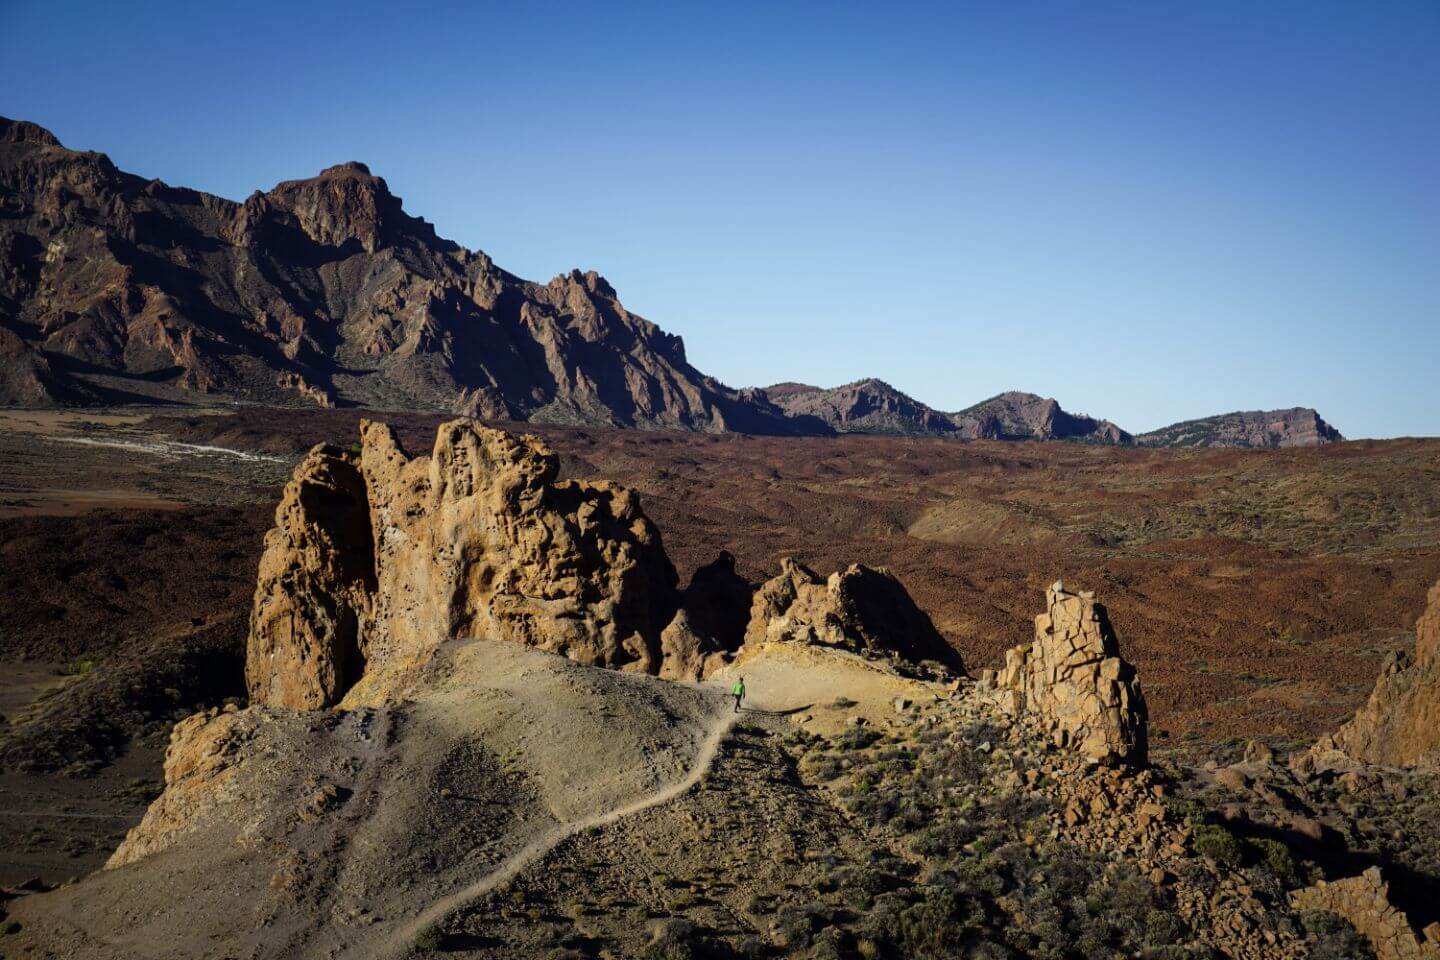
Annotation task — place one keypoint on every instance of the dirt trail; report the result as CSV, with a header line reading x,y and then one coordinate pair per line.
x,y
542,845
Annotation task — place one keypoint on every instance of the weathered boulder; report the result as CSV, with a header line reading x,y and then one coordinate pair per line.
x,y
1073,678
314,590
481,540
201,763
378,558
860,608
1365,902
686,653
1400,724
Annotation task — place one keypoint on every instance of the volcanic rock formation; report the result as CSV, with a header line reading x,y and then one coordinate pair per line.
x,y
1073,678
315,586
1296,427
862,609
1400,724
201,763
378,557
1365,902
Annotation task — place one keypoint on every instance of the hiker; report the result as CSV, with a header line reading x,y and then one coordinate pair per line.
x,y
739,691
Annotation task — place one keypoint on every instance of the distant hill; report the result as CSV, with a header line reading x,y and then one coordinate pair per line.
x,y
1295,427
1027,416
865,406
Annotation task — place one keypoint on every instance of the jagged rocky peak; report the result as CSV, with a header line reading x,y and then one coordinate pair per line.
x,y
1400,724
378,557
1015,415
865,406
343,203
1074,680
319,291
23,131
1293,427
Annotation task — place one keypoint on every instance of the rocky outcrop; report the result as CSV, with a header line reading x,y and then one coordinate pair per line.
x,y
1400,724
315,587
1295,427
1025,416
710,624
1073,678
201,763
1365,902
866,406
378,557
860,608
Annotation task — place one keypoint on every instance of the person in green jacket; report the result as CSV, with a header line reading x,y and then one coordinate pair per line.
x,y
739,691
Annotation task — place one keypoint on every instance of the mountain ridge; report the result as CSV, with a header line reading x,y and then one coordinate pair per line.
x,y
324,291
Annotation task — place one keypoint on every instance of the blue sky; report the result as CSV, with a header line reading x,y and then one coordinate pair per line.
x,y
1151,211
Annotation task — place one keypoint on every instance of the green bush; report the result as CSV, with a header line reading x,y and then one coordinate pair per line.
x,y
856,738
1214,841
1277,857
81,667
429,938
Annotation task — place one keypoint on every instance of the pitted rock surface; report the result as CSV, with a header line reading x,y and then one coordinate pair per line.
x,y
1073,678
479,539
201,763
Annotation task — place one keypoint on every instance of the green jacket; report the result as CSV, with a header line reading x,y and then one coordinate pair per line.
x,y
739,690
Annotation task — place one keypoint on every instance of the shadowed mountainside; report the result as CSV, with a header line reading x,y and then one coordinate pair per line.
x,y
321,291
324,292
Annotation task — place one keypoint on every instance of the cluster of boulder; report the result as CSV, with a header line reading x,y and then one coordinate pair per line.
x,y
377,558
1073,678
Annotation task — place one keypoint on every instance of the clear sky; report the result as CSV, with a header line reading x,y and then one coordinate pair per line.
x,y
1151,211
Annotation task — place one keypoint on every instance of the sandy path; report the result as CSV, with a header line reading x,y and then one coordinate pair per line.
x,y
542,845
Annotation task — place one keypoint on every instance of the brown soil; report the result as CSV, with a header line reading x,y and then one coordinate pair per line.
x,y
1257,591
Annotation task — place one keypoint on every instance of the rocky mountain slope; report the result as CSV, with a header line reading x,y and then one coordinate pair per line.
x,y
1025,416
865,406
323,291
1295,427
